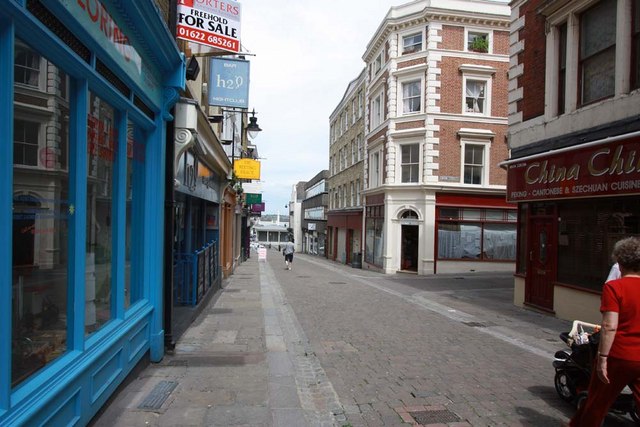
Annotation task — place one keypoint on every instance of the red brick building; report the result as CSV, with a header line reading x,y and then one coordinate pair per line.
x,y
436,123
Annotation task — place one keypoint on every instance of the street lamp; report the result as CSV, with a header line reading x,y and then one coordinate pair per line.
x,y
252,129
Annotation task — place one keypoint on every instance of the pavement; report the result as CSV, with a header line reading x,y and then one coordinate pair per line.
x,y
325,344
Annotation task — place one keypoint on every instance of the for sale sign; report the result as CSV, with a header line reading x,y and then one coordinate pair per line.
x,y
212,23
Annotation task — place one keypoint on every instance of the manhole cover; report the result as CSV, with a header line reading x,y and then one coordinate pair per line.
x,y
158,395
337,283
304,277
434,417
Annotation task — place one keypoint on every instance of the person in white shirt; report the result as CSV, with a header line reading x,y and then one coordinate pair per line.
x,y
288,251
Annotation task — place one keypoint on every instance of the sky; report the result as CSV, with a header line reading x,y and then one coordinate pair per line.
x,y
306,53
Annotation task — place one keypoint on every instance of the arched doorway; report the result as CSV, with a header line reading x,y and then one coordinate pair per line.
x,y
409,241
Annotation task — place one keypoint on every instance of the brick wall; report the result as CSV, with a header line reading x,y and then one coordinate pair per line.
x,y
451,93
452,38
501,42
450,155
533,57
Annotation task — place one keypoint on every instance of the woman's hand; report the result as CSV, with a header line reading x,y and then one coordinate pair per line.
x,y
601,369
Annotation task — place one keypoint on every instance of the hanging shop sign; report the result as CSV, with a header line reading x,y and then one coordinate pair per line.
x,y
598,169
247,169
229,82
210,22
252,199
257,208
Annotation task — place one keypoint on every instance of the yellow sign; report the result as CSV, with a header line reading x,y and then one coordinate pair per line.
x,y
247,169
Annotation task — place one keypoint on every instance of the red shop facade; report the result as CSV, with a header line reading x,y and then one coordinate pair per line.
x,y
574,203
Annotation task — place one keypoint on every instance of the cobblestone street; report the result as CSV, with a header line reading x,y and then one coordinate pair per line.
x,y
324,344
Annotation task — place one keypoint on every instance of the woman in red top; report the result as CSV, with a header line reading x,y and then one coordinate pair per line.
x,y
618,358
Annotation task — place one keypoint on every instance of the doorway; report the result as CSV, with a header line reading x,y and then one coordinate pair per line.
x,y
542,264
409,248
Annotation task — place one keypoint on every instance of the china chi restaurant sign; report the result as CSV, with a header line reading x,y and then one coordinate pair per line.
x,y
606,168
212,23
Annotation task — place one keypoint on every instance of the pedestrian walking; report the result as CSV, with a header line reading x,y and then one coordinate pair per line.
x,y
618,360
288,251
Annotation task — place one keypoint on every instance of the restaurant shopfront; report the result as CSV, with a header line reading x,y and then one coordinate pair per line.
x,y
84,100
574,203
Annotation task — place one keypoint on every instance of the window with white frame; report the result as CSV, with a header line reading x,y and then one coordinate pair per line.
x,y
354,159
360,105
598,52
477,41
357,192
359,141
345,153
412,43
475,96
562,66
374,169
353,111
26,66
377,110
377,63
341,158
352,198
412,97
410,162
474,163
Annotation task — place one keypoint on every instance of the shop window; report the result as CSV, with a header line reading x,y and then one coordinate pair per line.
x,y
134,212
587,232
26,137
374,238
40,233
476,234
410,158
101,143
598,52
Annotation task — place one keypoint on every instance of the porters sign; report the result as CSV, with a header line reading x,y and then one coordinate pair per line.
x,y
597,169
213,23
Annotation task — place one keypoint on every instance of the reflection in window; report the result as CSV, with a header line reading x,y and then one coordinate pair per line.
x,y
26,66
135,165
40,235
101,143
25,142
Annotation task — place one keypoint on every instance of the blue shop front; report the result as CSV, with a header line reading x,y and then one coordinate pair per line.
x,y
86,87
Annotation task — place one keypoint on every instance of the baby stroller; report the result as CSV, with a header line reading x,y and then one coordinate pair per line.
x,y
573,369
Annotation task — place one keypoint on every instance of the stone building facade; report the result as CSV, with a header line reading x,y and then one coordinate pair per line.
x,y
346,173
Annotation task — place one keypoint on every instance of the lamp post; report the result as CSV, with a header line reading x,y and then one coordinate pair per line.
x,y
252,130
